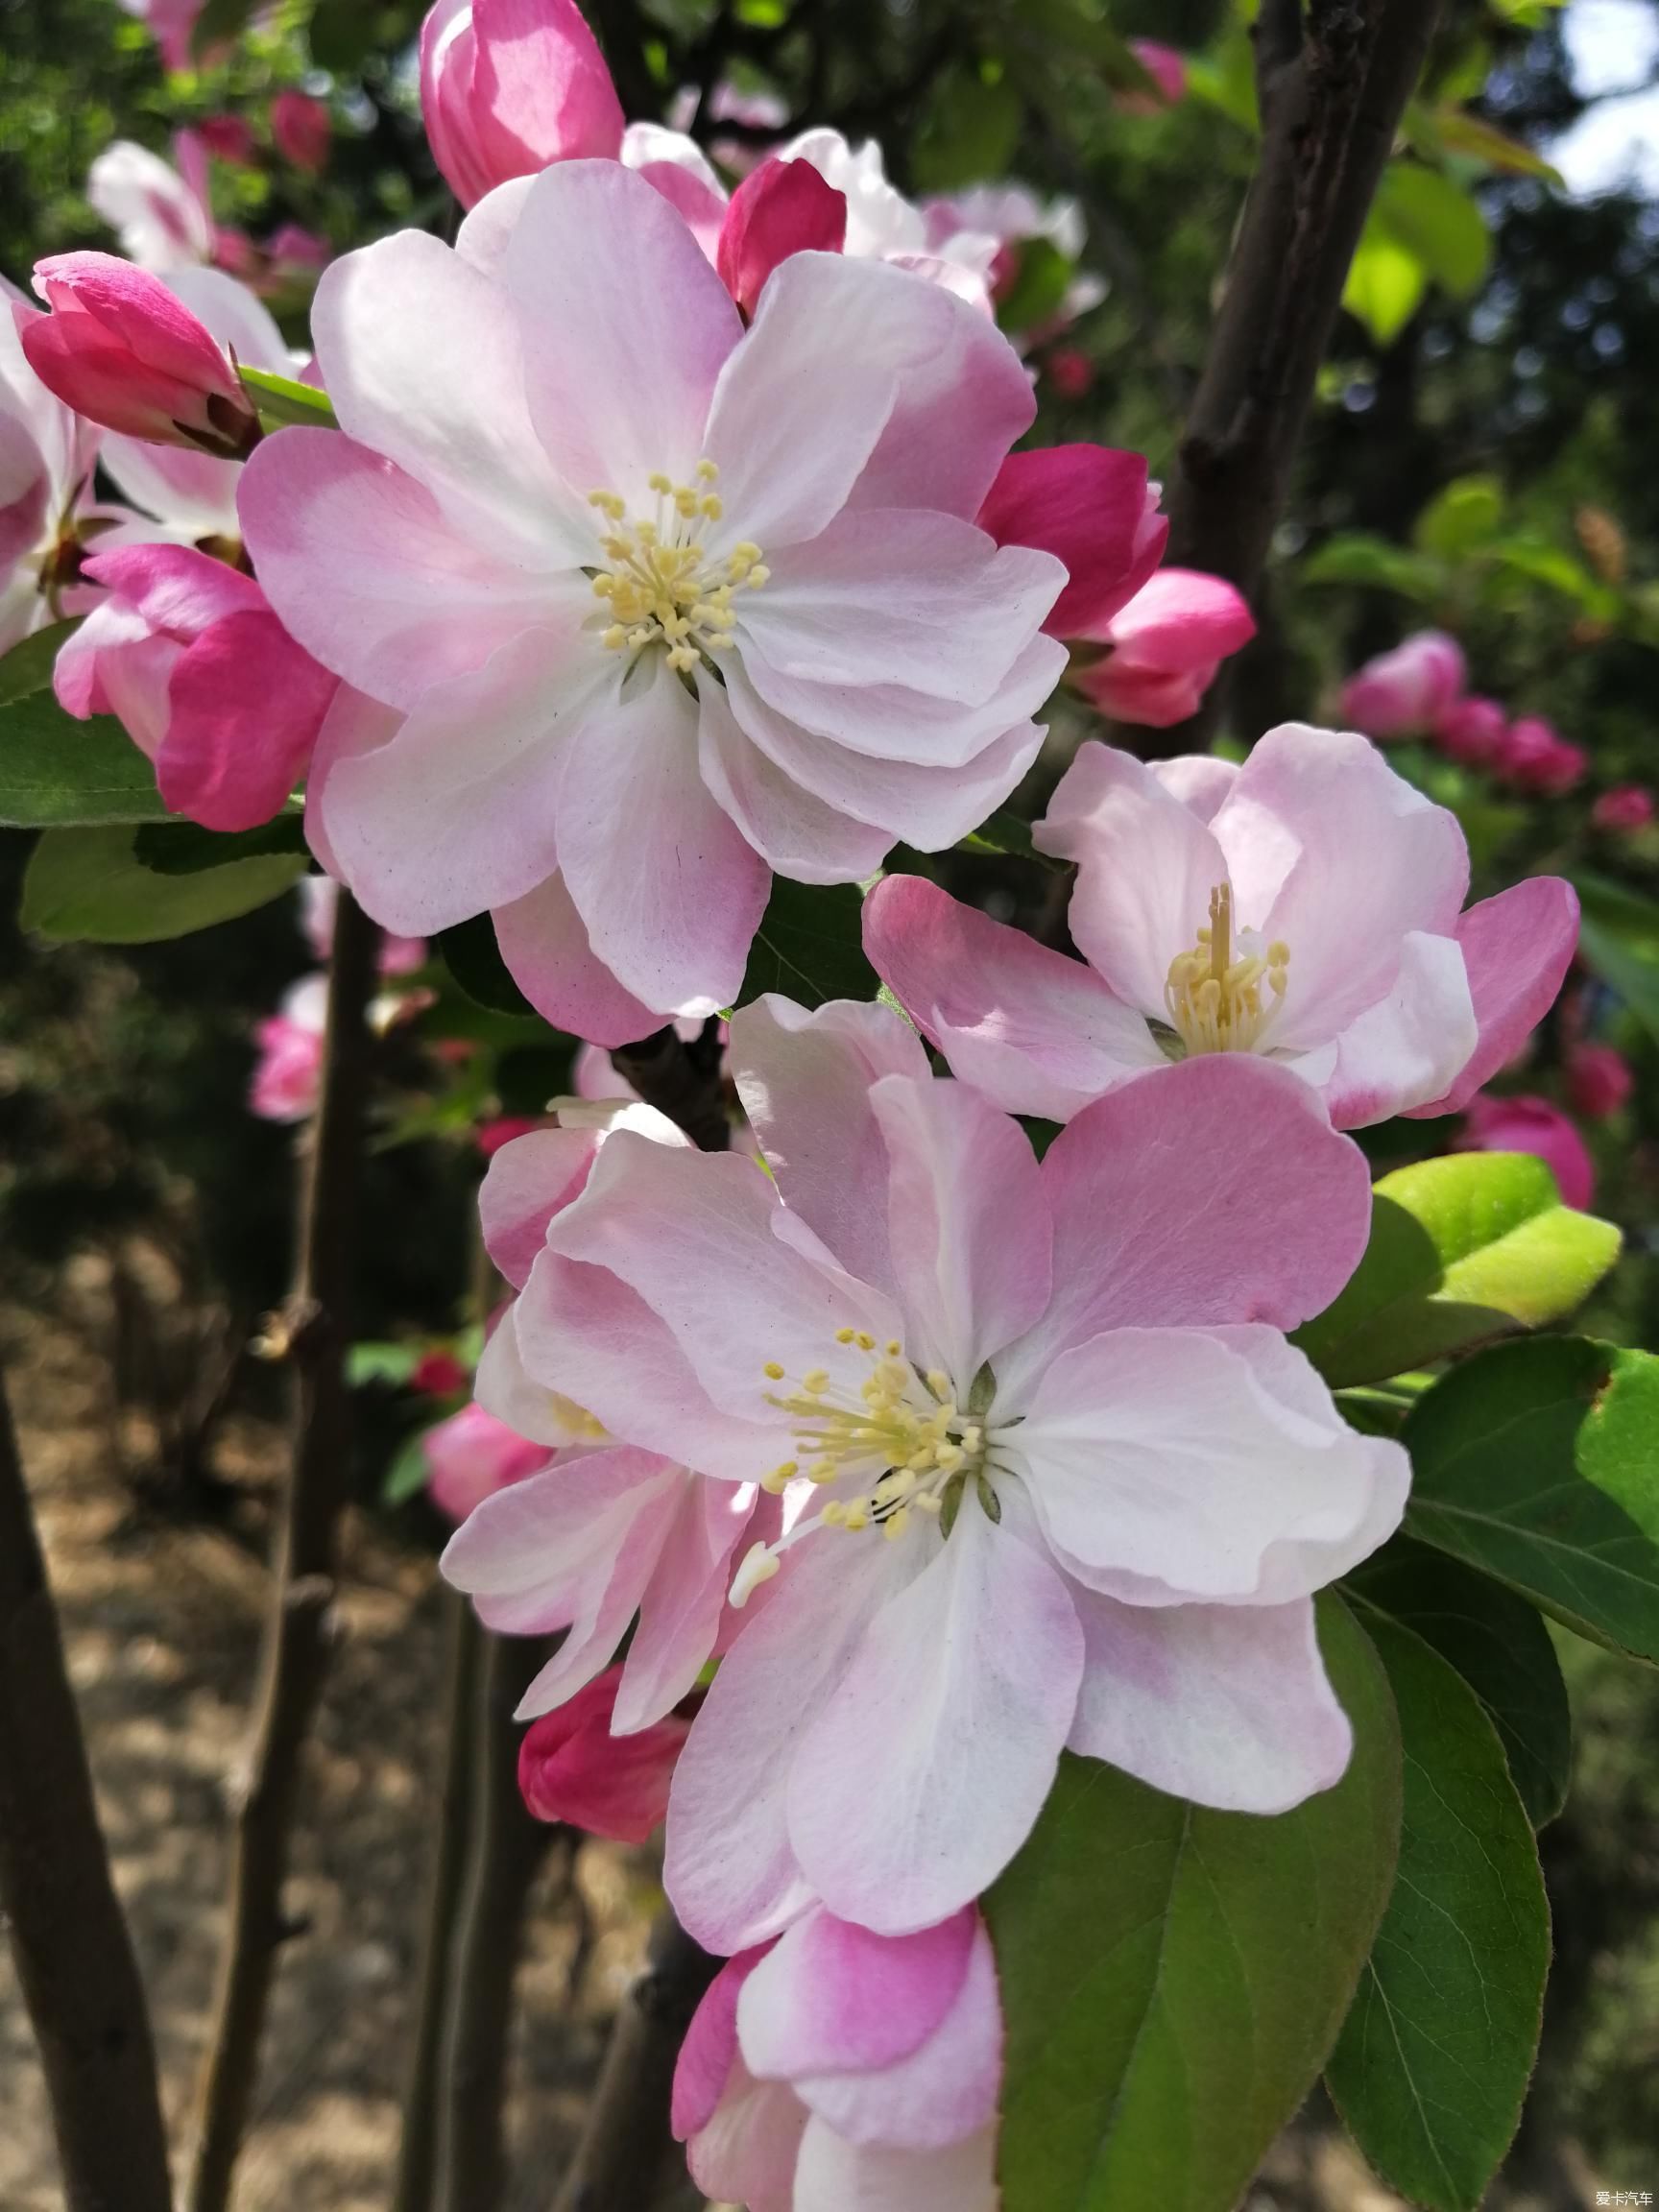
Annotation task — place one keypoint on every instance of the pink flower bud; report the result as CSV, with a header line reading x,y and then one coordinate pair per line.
x,y
1093,508
227,138
1529,1124
572,1768
1536,758
119,348
783,208
289,1070
1627,806
1404,693
1168,70
1472,731
1600,1080
295,250
1166,646
471,1455
1070,371
439,1375
492,1135
302,129
508,86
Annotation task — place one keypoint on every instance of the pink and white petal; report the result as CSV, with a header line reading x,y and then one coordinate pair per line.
x,y
596,232
487,227
526,1182
544,943
970,1236
888,597
1517,949
236,317
796,411
422,355
831,1997
748,2152
1210,1191
1224,1705
1200,780
1145,868
710,2049
1183,620
374,577
669,891
920,1775
1165,1453
353,724
805,1080
833,2174
581,1329
1031,1030
730,1870
1410,1045
457,812
192,491
1328,848
505,1387
795,834
943,2092
683,1605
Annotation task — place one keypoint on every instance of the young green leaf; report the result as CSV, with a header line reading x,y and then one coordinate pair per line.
x,y
1462,1248
1173,1978
410,1471
1436,2054
1500,1645
186,849
281,401
810,944
55,770
1539,1463
1619,938
88,885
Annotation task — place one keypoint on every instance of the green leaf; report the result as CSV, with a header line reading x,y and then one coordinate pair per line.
x,y
410,1470
1008,835
1500,1645
1386,283
56,770
969,130
1462,1248
1355,557
1043,276
381,1362
1437,223
282,401
810,944
474,961
1458,133
1173,1978
1434,2058
1225,79
28,667
1619,938
186,849
1539,1464
88,885
1460,519
219,21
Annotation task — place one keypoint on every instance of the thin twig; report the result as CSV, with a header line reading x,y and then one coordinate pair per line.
x,y
69,1937
314,1331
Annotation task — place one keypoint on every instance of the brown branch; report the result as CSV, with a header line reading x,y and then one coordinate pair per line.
x,y
682,1081
75,1961
626,2148
417,2163
314,1331
504,1849
1332,96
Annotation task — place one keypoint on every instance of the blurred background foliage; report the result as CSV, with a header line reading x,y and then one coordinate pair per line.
x,y
1484,457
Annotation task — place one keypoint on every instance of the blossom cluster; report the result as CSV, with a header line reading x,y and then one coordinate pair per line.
x,y
662,535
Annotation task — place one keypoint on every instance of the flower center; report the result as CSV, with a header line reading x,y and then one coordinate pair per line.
x,y
1214,993
661,581
902,1444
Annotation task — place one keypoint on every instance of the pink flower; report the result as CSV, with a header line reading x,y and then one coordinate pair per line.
x,y
1404,693
780,209
162,217
471,1455
293,251
1471,731
318,899
1625,807
172,24
1536,758
290,1065
204,677
301,128
847,660
1166,67
508,86
1093,508
612,1530
1107,1485
1522,1124
122,349
1304,908
227,137
1165,648
46,460
840,2071
572,1768
1600,1080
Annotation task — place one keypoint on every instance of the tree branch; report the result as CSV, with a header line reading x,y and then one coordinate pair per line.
x,y
314,1331
1332,97
69,1937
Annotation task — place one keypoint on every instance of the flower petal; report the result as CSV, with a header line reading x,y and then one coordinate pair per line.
x,y
1517,949
833,2174
544,943
797,834
247,706
1410,1044
683,1604
832,1998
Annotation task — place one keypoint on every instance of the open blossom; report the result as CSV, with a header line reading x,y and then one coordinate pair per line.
x,y
611,1530
840,2071
471,1455
47,454
1305,907
1521,1123
205,680
573,1767
623,643
1404,693
1049,1473
1164,649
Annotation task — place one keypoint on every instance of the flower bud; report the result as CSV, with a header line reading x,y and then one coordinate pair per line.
x,y
508,86
1093,508
783,208
1404,693
1523,1123
1168,70
288,1074
227,138
302,130
1600,1080
1472,731
1536,758
471,1455
572,1768
1625,807
121,350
